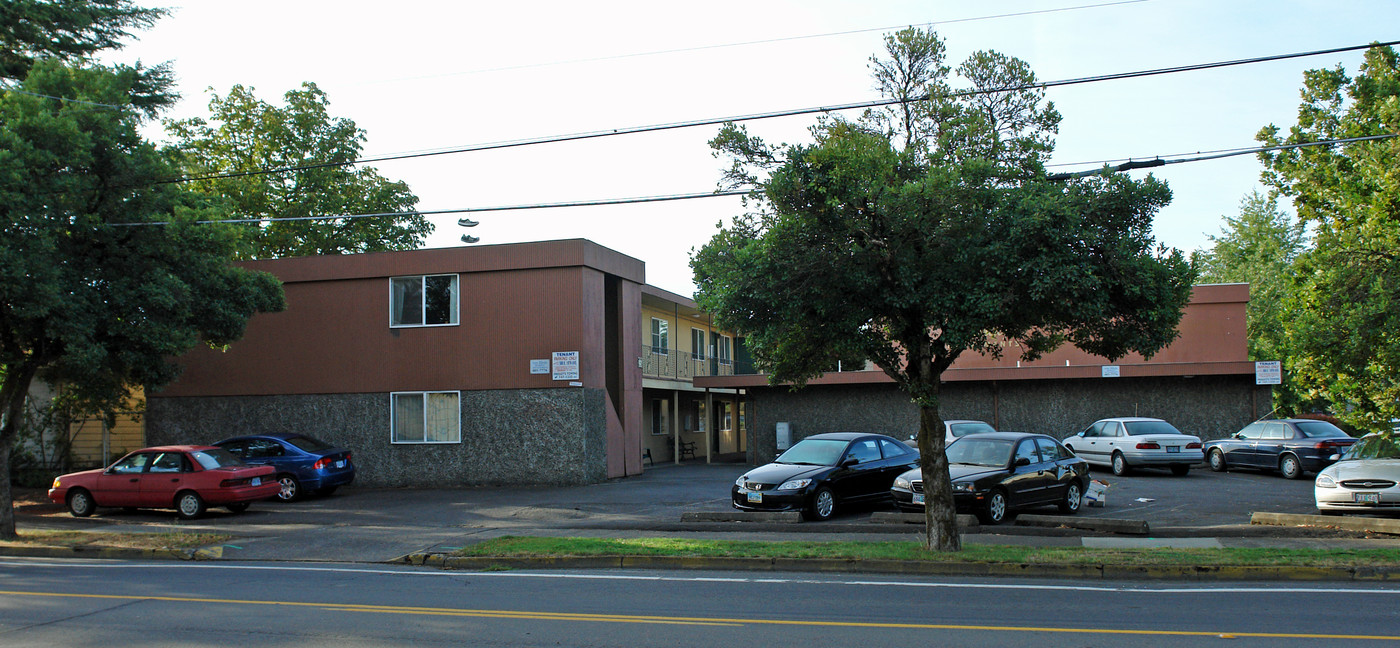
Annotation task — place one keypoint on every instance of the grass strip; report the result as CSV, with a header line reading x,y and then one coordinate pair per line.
x,y
538,547
176,540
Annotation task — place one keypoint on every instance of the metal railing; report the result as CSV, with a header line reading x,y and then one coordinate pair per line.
x,y
675,364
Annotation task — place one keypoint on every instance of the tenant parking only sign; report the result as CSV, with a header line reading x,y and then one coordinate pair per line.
x,y
1268,372
565,365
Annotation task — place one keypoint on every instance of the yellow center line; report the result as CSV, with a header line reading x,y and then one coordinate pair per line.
x,y
710,621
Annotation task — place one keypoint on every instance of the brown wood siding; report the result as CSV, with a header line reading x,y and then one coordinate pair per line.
x,y
335,337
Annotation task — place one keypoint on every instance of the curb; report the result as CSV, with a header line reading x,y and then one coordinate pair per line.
x,y
1363,524
907,567
113,553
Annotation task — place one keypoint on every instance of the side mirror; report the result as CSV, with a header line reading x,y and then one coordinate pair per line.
x,y
1081,433
849,461
1334,457
1021,461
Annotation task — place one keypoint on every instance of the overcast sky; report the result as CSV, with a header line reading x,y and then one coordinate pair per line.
x,y
421,75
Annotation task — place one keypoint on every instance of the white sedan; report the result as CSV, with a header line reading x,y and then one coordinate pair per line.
x,y
1363,480
1134,442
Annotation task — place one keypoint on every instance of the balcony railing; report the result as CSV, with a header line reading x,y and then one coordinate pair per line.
x,y
674,364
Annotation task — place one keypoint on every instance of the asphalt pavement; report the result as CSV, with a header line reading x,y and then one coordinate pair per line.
x,y
1202,509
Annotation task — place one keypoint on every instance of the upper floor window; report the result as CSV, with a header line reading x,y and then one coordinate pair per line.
x,y
724,351
697,344
660,335
424,300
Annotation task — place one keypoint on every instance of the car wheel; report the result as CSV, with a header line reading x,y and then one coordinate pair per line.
x,y
291,488
326,492
1120,465
80,503
1074,497
1290,467
189,505
238,508
1217,460
1180,470
994,509
823,505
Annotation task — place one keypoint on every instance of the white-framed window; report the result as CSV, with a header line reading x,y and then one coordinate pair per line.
x,y
423,300
660,416
660,335
726,416
697,344
425,417
723,350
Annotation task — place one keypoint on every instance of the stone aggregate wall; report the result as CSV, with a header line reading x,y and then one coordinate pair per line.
x,y
509,437
1210,407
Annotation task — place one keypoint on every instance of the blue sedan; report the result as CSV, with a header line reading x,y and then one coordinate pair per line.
x,y
303,463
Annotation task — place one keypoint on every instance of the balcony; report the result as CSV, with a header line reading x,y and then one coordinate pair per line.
x,y
674,364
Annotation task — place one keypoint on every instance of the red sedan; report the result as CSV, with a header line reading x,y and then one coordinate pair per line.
x,y
185,478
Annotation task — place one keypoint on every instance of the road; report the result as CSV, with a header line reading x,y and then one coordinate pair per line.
x,y
77,603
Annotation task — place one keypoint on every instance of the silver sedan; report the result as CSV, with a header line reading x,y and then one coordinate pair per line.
x,y
1136,442
1364,479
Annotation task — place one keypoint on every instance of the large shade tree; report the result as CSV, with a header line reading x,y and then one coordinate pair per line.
x,y
916,234
94,295
66,30
1260,247
1342,316
295,163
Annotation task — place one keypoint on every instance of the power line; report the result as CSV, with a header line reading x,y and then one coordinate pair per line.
x,y
772,115
1131,165
783,39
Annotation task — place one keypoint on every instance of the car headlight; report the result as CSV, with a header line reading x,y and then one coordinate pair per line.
x,y
902,483
1323,481
795,484
962,487
55,483
740,481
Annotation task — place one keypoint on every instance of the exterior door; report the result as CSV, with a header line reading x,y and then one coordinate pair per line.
x,y
165,476
1027,483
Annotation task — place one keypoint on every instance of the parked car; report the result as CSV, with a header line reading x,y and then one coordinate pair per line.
x,y
1293,447
954,429
303,463
825,471
1123,444
995,472
186,478
1364,479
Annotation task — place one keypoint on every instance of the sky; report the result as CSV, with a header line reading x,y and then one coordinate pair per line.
x,y
419,75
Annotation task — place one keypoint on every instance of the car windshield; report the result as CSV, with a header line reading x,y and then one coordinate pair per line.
x,y
814,452
964,429
1321,430
309,444
1373,447
216,458
1139,428
973,451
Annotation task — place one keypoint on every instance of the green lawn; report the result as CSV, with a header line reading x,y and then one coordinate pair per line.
x,y
525,547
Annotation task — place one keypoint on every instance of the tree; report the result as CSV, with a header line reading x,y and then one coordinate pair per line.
x,y
1259,247
913,236
1342,318
252,137
93,295
67,30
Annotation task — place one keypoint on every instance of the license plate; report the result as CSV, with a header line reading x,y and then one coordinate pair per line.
x,y
340,464
257,481
1366,498
755,498
918,498
1173,449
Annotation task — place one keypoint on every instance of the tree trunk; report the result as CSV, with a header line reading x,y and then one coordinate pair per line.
x,y
7,496
13,393
940,514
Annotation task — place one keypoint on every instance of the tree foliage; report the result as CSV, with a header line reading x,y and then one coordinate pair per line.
x,y
1260,247
249,136
90,298
66,30
915,234
1342,318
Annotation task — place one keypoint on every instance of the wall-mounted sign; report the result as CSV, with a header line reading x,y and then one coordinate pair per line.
x,y
539,366
1110,371
566,365
1268,372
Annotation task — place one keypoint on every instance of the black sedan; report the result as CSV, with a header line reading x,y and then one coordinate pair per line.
x,y
1293,447
995,472
824,471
